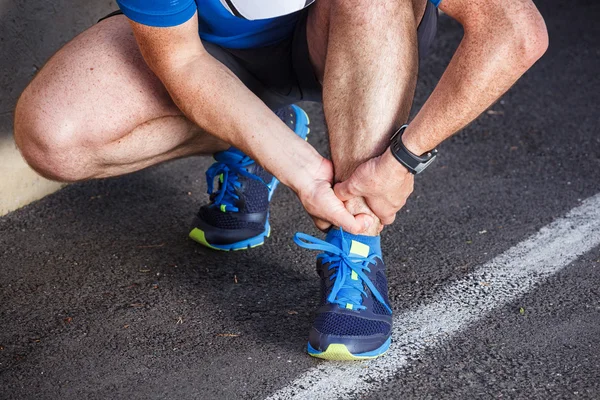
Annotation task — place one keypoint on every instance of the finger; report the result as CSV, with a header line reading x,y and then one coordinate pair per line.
x,y
338,215
346,221
381,211
344,190
321,224
365,220
388,219
350,223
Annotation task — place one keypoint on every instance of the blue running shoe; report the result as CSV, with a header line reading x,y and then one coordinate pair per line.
x,y
237,216
354,320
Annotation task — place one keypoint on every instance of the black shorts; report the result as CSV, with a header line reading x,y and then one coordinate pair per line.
x,y
282,74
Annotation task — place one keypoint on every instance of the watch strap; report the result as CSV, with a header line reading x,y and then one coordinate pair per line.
x,y
414,163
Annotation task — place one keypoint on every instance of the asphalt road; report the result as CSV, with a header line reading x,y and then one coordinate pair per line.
x,y
103,296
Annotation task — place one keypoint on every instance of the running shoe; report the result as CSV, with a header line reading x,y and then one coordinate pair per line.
x,y
354,320
237,216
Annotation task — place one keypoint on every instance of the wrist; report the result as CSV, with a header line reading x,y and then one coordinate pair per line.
x,y
391,165
414,142
303,168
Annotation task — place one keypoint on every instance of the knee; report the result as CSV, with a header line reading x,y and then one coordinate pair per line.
x,y
47,141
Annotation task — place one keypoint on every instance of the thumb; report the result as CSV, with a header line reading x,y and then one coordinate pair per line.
x,y
344,190
338,215
365,221
347,221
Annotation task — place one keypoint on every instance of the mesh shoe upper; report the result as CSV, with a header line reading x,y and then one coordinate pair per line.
x,y
331,323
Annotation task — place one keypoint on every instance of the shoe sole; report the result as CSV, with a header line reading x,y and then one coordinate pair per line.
x,y
198,235
339,352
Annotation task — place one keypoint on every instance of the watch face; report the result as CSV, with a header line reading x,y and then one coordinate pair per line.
x,y
263,9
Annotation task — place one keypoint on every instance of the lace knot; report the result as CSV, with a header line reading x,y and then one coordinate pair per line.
x,y
229,166
350,271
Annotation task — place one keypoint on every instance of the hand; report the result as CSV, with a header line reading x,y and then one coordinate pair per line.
x,y
384,184
319,200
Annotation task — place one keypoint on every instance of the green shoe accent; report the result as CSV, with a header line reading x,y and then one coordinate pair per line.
x,y
339,352
198,236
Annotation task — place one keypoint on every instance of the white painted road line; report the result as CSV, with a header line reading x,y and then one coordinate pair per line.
x,y
502,280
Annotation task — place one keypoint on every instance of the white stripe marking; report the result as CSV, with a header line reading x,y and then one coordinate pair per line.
x,y
503,279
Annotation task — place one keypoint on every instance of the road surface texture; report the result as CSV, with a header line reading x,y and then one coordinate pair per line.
x,y
102,296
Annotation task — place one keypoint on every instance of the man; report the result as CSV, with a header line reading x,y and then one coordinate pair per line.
x,y
176,78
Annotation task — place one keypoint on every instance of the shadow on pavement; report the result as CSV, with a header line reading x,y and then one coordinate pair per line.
x,y
117,250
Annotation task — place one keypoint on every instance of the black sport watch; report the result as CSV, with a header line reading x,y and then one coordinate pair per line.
x,y
413,163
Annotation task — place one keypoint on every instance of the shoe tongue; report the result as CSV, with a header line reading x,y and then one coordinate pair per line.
x,y
229,151
359,245
236,151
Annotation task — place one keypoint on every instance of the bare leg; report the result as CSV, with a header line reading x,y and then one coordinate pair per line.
x,y
96,110
366,53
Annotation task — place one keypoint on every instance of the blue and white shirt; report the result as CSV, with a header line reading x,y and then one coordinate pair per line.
x,y
237,24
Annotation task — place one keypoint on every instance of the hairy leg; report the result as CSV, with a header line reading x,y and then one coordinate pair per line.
x,y
96,110
366,54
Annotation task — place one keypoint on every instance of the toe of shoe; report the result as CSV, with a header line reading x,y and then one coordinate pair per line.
x,y
213,235
344,332
338,347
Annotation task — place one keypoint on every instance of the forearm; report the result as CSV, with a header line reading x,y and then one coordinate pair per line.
x,y
491,57
204,90
212,97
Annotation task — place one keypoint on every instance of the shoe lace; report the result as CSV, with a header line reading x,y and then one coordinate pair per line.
x,y
350,272
229,166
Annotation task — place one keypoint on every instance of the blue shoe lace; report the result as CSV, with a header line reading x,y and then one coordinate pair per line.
x,y
229,166
346,292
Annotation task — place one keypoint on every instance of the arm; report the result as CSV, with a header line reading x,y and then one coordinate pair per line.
x,y
211,96
502,40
